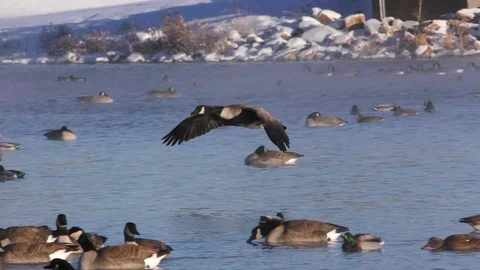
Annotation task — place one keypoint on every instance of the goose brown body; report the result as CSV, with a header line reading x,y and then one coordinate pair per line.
x,y
456,242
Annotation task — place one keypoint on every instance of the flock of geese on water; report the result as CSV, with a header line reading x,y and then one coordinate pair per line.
x,y
41,245
31,245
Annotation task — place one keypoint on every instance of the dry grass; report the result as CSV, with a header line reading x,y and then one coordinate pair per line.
x,y
421,39
448,41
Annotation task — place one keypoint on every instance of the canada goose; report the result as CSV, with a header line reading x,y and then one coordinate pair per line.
x,y
28,253
383,107
10,174
443,70
474,66
355,110
316,119
165,78
71,78
205,118
75,233
330,71
300,231
361,242
428,107
62,231
118,257
397,111
27,234
170,93
9,146
435,69
391,71
63,134
59,264
262,157
101,98
32,253
129,235
476,94
456,242
307,68
473,221
369,119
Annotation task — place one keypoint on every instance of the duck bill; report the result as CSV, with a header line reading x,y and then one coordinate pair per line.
x,y
427,247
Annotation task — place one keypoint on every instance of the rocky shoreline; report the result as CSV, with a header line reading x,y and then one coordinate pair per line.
x,y
324,35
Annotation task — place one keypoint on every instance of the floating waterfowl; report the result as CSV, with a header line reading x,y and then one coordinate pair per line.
x,y
383,107
6,175
456,242
101,98
129,235
278,231
398,111
9,146
262,157
170,93
369,119
361,242
428,107
355,110
63,134
316,119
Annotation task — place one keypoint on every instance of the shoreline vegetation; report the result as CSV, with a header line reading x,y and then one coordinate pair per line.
x,y
321,35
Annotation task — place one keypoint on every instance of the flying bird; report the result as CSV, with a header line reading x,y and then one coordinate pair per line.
x,y
205,118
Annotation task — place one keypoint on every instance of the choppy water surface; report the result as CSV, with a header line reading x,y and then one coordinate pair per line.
x,y
405,180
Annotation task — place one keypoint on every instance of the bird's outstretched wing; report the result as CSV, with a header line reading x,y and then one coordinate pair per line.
x,y
192,127
274,129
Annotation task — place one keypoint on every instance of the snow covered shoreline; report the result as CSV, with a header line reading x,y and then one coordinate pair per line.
x,y
323,36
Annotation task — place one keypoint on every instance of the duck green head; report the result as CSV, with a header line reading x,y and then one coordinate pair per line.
x,y
349,239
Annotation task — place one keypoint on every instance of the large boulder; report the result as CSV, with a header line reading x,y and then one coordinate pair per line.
x,y
275,43
318,34
233,35
372,26
296,42
307,23
467,14
252,38
328,16
437,27
355,21
135,58
316,12
423,51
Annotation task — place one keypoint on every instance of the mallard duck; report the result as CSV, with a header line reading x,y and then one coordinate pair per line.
x,y
398,111
361,242
10,174
101,98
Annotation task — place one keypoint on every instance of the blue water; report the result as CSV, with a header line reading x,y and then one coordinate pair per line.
x,y
405,180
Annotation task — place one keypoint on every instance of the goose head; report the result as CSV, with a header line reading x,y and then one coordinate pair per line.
x,y
396,109
59,264
2,168
171,89
355,110
433,243
86,243
314,115
103,94
61,221
75,233
256,235
131,229
261,149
